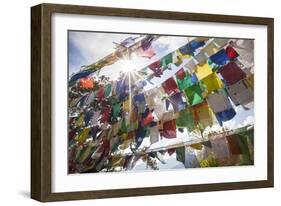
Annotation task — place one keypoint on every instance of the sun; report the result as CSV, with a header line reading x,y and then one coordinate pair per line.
x,y
127,66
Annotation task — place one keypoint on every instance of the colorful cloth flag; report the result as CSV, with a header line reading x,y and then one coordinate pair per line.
x,y
191,160
122,89
169,129
203,71
180,74
156,68
167,60
233,145
240,94
140,135
100,93
185,82
191,47
220,150
201,58
220,58
213,65
197,146
170,86
185,50
190,66
219,101
244,147
80,120
177,102
86,83
210,49
232,73
147,119
108,89
185,120
194,94
225,115
105,114
180,154
83,135
212,82
203,115
116,108
231,52
245,49
181,56
79,75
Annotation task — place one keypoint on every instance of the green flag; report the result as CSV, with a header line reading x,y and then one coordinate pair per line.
x,y
180,153
166,60
194,94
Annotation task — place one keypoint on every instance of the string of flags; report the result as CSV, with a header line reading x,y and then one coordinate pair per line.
x,y
110,120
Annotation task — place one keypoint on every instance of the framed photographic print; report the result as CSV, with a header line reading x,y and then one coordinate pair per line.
x,y
132,102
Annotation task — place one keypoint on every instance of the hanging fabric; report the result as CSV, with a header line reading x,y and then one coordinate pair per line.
x,y
185,120
212,82
231,53
220,150
203,71
232,73
201,58
86,83
240,94
177,102
220,58
194,94
233,145
203,115
210,49
79,75
219,101
169,129
190,66
225,115
170,86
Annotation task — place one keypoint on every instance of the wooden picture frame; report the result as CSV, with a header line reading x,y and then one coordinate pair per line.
x,y
41,96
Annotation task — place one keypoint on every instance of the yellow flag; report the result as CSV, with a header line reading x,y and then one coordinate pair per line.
x,y
83,135
212,82
197,146
203,71
117,161
182,56
127,105
80,120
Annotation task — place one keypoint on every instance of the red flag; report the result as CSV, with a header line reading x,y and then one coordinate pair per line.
x,y
181,74
100,93
231,53
170,86
169,129
148,119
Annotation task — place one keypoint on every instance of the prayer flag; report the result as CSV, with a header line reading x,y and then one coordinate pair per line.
x,y
220,58
232,73
194,94
170,86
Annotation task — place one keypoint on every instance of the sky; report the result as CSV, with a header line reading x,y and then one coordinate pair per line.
x,y
85,48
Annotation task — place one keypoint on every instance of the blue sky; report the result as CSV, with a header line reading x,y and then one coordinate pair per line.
x,y
88,47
